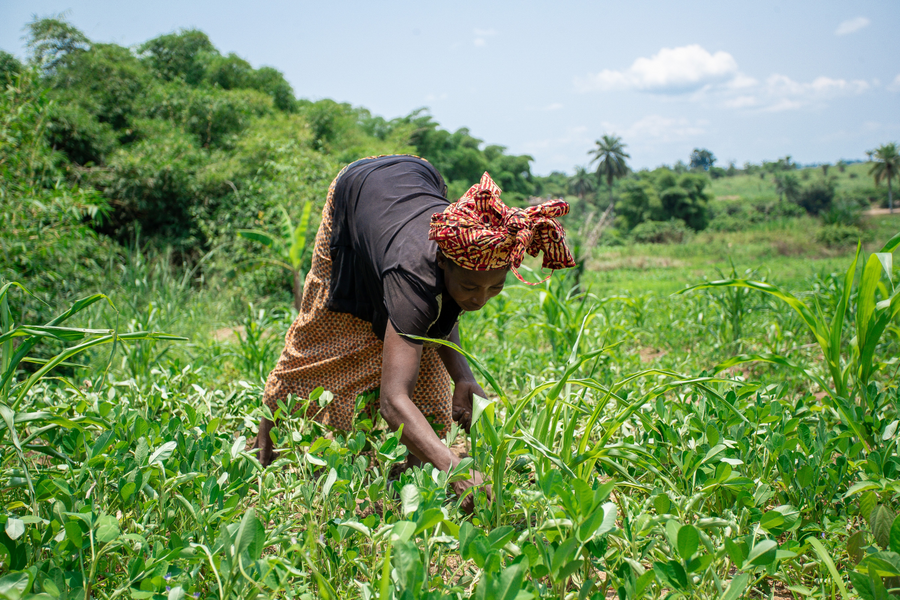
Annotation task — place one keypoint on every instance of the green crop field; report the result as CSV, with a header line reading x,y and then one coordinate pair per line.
x,y
735,437
706,407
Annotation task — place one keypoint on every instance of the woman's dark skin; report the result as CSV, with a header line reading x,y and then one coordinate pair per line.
x,y
400,369
471,290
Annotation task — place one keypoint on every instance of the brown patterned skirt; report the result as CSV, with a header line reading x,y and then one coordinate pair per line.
x,y
341,353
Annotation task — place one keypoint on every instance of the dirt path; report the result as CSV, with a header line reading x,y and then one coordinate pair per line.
x,y
874,212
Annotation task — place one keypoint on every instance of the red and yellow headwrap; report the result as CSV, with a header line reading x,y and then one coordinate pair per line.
x,y
479,232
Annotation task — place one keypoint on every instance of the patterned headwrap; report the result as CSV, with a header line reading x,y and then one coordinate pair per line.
x,y
479,232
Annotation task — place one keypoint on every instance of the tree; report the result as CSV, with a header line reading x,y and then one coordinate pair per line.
x,y
51,41
582,182
610,152
701,158
786,184
887,164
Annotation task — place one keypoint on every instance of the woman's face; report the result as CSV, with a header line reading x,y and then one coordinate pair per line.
x,y
471,289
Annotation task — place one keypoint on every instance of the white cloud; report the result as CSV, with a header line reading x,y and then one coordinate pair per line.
x,y
481,34
895,84
554,106
851,26
663,129
741,102
669,71
787,93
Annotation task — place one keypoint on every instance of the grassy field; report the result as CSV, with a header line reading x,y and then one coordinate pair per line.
x,y
854,179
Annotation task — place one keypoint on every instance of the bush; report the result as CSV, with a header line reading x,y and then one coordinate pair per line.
x,y
845,211
839,236
661,232
81,137
817,197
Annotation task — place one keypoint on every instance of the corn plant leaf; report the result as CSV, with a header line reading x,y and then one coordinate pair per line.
x,y
825,557
892,244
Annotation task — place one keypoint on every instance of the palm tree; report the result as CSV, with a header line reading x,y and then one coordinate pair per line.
x,y
610,151
582,183
887,165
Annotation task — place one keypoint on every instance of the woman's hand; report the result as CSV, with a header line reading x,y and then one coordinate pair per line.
x,y
462,402
461,487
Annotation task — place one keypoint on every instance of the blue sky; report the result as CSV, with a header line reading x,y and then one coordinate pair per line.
x,y
819,81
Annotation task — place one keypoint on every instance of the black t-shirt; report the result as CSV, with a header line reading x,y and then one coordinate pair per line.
x,y
383,264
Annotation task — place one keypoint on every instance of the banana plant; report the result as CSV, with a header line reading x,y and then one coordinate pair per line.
x,y
288,249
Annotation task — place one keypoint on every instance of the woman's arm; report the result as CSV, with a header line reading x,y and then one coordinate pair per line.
x,y
465,384
400,370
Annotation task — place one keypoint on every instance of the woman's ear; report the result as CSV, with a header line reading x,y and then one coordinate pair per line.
x,y
442,261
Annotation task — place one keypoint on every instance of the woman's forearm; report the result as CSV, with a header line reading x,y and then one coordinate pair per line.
x,y
417,436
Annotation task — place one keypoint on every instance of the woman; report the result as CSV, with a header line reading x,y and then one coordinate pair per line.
x,y
393,258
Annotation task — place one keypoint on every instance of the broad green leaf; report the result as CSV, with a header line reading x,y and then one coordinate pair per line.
x,y
14,585
409,498
736,588
250,536
176,593
107,529
163,453
672,573
237,447
102,443
329,482
74,534
771,520
429,519
895,535
510,580
856,546
880,521
403,530
688,541
498,538
15,528
762,553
